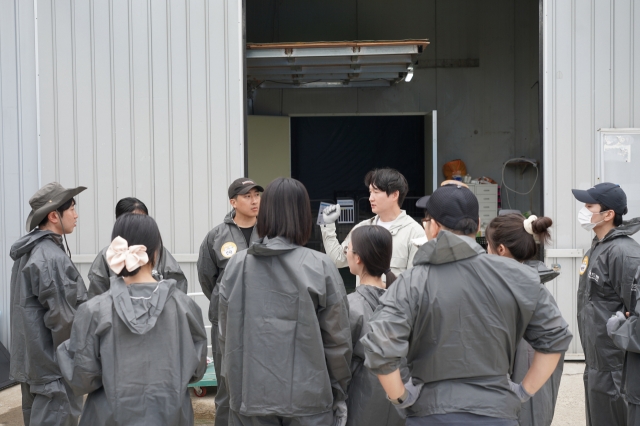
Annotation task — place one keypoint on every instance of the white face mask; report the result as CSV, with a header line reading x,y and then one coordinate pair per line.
x,y
584,217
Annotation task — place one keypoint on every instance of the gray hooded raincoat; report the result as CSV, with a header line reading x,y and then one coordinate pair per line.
x,y
100,273
220,244
538,411
367,404
606,276
134,350
284,331
458,316
46,289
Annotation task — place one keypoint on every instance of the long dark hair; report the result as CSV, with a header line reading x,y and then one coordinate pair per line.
x,y
509,231
285,211
374,245
138,229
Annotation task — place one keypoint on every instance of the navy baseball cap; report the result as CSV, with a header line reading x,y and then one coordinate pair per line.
x,y
450,204
606,193
422,201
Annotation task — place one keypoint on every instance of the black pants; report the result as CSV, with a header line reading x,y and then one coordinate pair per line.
x,y
323,419
52,404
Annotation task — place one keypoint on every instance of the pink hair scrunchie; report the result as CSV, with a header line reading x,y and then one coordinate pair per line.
x,y
120,255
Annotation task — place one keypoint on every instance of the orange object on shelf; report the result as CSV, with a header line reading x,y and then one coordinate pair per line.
x,y
454,167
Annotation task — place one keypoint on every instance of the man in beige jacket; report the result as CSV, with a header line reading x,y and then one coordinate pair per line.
x,y
387,190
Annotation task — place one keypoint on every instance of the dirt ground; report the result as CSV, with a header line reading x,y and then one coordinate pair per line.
x,y
569,409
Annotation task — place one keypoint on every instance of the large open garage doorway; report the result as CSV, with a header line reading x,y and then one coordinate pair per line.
x,y
475,62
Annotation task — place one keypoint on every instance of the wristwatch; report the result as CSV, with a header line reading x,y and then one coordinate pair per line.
x,y
400,399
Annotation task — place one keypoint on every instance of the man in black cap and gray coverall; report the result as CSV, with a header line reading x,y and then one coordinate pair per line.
x,y
46,288
457,316
606,278
236,233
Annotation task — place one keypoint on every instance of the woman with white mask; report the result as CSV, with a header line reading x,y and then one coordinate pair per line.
x,y
606,277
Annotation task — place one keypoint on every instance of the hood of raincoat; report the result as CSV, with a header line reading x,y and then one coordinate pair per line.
x,y
627,228
140,305
271,247
446,248
371,294
26,243
546,274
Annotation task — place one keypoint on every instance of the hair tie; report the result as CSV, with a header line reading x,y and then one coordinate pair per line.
x,y
121,255
387,271
528,226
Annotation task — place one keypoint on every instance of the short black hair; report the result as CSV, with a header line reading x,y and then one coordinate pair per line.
x,y
285,211
130,205
617,220
138,229
66,206
465,226
389,181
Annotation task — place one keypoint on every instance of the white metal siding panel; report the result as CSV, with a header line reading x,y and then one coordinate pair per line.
x,y
143,99
18,136
589,57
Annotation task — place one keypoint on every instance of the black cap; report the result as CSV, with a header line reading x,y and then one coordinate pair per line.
x,y
450,204
422,202
242,186
606,193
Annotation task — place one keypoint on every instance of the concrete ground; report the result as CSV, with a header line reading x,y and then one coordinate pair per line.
x,y
569,409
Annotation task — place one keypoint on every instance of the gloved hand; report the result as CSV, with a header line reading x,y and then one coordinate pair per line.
x,y
520,392
614,323
331,213
413,394
339,413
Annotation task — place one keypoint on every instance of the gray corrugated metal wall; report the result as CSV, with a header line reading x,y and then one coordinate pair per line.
x,y
18,135
591,64
137,98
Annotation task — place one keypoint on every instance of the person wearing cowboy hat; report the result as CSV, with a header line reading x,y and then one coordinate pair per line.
x,y
46,289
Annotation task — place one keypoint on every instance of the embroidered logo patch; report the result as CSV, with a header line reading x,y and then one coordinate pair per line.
x,y
585,264
229,249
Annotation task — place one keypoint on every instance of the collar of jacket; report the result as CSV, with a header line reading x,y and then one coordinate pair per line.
x,y
447,248
400,222
26,243
546,274
627,229
229,217
271,246
371,294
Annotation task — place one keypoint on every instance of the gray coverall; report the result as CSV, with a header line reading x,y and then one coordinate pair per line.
x,y
134,350
284,335
367,403
167,268
457,316
538,411
219,245
46,289
606,276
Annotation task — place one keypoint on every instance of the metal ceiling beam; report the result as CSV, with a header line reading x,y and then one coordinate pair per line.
x,y
333,51
321,60
328,69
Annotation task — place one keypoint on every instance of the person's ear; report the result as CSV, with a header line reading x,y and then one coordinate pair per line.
x,y
609,215
434,229
356,257
501,250
53,217
479,223
232,201
395,195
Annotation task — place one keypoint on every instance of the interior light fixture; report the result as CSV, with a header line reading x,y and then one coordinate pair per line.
x,y
409,75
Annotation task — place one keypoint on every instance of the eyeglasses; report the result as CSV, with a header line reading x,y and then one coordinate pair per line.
x,y
346,250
